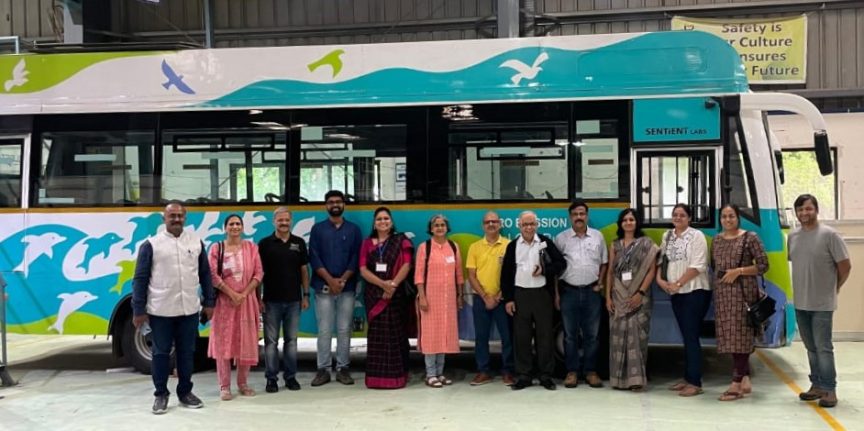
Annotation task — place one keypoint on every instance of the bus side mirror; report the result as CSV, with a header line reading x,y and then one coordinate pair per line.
x,y
823,153
778,159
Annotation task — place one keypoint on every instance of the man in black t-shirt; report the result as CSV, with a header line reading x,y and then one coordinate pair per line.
x,y
286,291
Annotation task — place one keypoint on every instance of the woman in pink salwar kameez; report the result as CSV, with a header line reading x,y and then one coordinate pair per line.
x,y
234,329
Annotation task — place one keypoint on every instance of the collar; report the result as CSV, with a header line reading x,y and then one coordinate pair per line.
x,y
500,240
588,233
522,240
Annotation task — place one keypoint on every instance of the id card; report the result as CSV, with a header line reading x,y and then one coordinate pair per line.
x,y
380,267
450,259
626,276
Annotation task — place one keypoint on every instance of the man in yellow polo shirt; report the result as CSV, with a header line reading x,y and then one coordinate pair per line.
x,y
484,274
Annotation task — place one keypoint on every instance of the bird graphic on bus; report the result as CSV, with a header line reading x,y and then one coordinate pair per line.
x,y
524,71
70,303
330,59
37,246
19,76
174,79
97,246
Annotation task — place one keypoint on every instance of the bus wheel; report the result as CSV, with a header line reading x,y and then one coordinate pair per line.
x,y
136,347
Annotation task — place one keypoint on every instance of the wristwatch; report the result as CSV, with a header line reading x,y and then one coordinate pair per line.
x,y
306,294
641,292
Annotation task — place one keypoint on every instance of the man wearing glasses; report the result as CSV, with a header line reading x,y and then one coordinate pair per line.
x,y
484,274
531,265
334,245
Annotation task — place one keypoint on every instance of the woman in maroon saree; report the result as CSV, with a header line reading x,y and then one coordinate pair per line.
x,y
385,261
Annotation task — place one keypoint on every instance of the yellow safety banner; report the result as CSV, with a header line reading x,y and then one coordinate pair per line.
x,y
773,50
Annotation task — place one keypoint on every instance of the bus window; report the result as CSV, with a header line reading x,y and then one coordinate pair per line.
x,y
739,175
367,162
508,162
10,172
668,178
224,165
96,168
597,164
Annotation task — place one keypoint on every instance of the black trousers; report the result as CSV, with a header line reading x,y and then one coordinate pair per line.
x,y
534,321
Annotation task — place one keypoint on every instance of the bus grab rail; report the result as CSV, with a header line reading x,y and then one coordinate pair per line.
x,y
796,104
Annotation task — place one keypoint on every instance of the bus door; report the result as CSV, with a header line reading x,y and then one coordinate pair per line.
x,y
663,178
13,192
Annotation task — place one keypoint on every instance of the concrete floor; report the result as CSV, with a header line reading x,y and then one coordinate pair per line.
x,y
73,383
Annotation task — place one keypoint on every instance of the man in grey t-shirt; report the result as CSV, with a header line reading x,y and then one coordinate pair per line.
x,y
820,266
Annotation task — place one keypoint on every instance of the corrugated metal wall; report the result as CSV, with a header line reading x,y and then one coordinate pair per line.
x,y
835,59
28,19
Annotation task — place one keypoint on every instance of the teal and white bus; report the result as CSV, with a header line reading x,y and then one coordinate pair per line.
x,y
92,145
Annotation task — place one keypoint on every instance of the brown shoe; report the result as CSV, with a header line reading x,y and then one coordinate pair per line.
x,y
828,400
812,394
481,379
508,380
571,381
594,380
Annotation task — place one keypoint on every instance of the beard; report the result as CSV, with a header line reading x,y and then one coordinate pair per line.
x,y
335,211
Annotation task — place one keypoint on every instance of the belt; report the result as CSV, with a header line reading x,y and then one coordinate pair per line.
x,y
580,286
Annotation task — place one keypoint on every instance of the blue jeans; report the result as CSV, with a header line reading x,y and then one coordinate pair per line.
x,y
182,332
330,309
580,315
483,320
816,328
689,310
284,316
434,364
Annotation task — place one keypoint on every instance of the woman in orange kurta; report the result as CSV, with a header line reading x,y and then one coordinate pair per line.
x,y
234,330
439,298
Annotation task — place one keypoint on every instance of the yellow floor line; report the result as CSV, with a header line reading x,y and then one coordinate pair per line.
x,y
832,422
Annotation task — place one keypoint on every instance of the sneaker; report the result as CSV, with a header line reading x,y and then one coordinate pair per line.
x,y
481,379
594,380
828,400
321,378
344,376
292,384
507,379
272,386
160,405
571,381
190,401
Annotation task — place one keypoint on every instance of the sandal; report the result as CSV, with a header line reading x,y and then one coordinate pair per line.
x,y
637,388
433,382
747,387
246,391
730,396
690,391
445,381
678,386
225,394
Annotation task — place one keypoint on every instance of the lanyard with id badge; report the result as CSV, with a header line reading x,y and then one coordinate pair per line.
x,y
380,265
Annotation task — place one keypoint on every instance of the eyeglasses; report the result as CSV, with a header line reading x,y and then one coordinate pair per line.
x,y
492,222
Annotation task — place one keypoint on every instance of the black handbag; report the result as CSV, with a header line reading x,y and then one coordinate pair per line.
x,y
760,311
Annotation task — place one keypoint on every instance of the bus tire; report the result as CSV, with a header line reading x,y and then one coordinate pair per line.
x,y
136,347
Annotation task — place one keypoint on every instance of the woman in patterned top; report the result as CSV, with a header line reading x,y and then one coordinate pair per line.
x,y
684,277
439,296
738,258
234,330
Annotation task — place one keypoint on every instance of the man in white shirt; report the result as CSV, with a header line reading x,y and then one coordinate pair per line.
x,y
578,295
531,265
171,267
